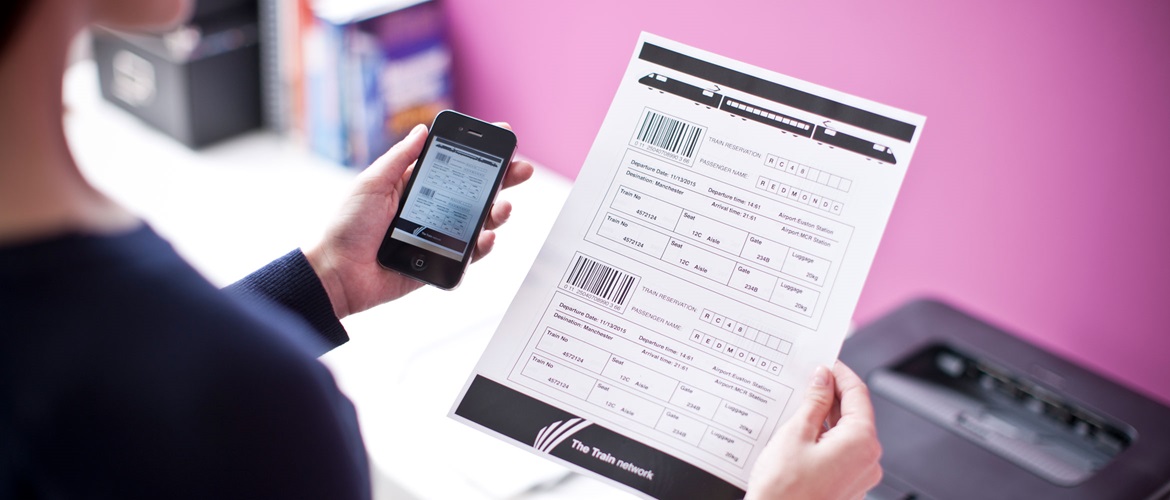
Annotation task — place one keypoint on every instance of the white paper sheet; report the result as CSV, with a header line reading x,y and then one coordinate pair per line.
x,y
710,256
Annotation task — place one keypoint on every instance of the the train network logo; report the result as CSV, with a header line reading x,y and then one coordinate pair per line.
x,y
557,432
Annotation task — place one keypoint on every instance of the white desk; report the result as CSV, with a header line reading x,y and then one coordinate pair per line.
x,y
234,207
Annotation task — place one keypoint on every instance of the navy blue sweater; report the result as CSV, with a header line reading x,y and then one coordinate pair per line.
x,y
125,374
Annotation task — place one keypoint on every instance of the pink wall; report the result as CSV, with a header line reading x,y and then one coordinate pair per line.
x,y
1038,194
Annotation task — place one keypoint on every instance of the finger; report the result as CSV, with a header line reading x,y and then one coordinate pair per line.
x,y
498,215
406,173
854,395
484,245
834,413
810,417
835,410
398,158
519,171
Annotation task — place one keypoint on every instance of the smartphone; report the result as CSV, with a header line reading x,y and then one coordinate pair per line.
x,y
448,196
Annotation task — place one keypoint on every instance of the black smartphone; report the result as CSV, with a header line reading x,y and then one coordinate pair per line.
x,y
448,196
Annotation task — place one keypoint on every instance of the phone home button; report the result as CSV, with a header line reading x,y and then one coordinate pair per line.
x,y
418,262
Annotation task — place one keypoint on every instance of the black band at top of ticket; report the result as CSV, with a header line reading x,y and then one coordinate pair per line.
x,y
776,92
559,433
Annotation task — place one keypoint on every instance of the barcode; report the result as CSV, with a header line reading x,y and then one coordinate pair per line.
x,y
442,157
670,134
426,192
601,280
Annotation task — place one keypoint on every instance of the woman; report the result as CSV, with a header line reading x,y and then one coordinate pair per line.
x,y
124,374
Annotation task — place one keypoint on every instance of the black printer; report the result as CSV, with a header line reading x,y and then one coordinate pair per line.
x,y
965,410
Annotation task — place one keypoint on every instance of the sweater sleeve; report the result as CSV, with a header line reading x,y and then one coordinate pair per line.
x,y
291,282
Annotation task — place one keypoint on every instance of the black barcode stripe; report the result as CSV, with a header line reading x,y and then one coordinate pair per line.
x,y
625,291
586,274
664,138
606,281
691,147
676,137
653,131
576,270
660,131
601,280
647,124
670,134
427,192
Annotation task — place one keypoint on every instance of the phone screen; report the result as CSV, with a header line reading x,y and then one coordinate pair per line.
x,y
447,199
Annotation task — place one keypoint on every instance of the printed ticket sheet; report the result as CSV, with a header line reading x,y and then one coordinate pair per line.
x,y
709,257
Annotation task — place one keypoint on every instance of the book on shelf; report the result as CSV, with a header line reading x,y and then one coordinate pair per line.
x,y
350,78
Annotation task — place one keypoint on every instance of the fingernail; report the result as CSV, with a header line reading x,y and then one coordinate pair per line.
x,y
821,377
418,129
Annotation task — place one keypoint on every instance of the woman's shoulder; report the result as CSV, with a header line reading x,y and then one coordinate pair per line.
x,y
126,352
130,305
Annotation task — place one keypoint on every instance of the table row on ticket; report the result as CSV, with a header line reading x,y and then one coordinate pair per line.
x,y
758,249
719,442
747,279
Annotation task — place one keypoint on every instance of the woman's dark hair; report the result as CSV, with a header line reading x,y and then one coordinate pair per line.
x,y
11,12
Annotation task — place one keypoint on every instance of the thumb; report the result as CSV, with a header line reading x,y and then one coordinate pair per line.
x,y
818,400
394,161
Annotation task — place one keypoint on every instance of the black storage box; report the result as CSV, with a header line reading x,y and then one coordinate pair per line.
x,y
199,83
209,9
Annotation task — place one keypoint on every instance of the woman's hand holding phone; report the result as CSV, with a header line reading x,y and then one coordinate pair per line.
x,y
447,199
345,257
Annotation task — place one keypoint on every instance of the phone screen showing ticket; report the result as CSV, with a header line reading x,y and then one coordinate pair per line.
x,y
448,198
